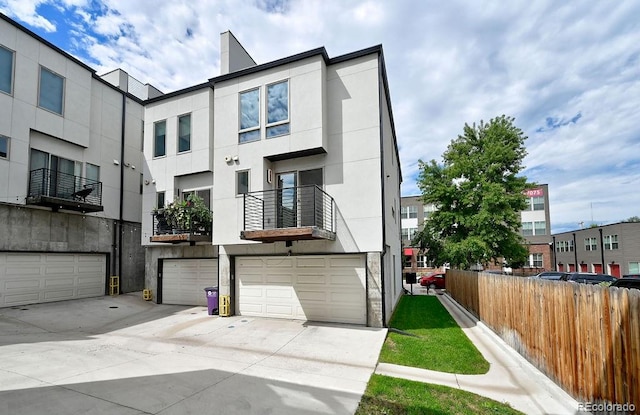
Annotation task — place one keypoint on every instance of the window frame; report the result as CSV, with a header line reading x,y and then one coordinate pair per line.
x,y
611,242
11,71
590,244
536,228
155,139
62,98
527,231
273,125
238,173
179,140
8,144
536,206
251,129
161,195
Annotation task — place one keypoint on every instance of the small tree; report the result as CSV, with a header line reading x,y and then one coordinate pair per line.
x,y
478,195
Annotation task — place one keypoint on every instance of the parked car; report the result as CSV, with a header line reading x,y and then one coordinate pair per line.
x,y
550,275
587,277
628,281
433,280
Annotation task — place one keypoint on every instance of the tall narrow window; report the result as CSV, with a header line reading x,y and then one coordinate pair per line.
x,y
184,133
160,200
242,182
4,147
160,138
527,228
249,116
51,95
6,70
278,109
540,228
92,172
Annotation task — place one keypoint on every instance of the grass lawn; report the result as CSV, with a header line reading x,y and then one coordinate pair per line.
x,y
390,396
436,341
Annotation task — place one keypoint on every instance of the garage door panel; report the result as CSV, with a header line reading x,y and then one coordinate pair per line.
x,y
322,288
304,295
312,279
311,262
278,279
30,278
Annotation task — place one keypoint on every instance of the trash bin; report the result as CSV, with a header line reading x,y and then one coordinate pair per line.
x,y
212,300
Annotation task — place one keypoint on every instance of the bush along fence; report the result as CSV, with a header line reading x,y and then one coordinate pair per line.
x,y
585,338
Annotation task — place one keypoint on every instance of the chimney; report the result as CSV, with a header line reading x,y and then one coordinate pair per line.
x,y
233,56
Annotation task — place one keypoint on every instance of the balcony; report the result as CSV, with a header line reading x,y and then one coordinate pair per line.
x,y
181,223
59,190
289,214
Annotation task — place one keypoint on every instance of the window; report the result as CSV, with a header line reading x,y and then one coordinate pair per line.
x,y
242,182
184,133
427,210
634,267
539,228
278,109
160,200
536,203
92,173
160,139
408,212
249,116
141,183
409,233
204,194
51,94
6,70
142,136
590,244
610,241
527,228
571,245
421,261
535,260
406,261
4,147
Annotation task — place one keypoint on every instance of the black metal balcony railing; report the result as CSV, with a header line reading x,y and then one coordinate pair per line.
x,y
292,207
55,188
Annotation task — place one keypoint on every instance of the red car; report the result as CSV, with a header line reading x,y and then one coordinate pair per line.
x,y
433,280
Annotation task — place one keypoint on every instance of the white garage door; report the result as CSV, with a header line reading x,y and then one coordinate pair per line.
x,y
184,280
28,278
320,288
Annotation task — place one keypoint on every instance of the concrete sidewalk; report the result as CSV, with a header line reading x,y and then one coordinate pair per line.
x,y
511,378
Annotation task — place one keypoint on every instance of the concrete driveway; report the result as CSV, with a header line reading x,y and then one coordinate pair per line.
x,y
121,355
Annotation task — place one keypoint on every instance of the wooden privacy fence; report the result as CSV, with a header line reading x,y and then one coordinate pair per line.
x,y
585,338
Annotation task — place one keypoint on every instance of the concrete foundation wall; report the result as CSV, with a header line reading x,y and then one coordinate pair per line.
x,y
37,230
374,290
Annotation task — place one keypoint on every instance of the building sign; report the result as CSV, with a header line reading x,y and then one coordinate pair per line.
x,y
534,192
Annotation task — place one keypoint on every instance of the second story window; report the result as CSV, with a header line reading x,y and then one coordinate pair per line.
x,y
408,212
184,133
590,244
277,109
92,172
51,91
610,241
160,200
6,70
160,139
249,116
536,203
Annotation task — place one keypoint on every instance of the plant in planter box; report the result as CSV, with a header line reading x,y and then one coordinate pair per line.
x,y
190,215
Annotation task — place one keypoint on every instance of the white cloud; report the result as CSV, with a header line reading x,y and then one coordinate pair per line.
x,y
25,10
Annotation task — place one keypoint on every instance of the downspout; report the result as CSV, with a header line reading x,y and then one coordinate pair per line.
x,y
602,250
575,252
120,215
382,187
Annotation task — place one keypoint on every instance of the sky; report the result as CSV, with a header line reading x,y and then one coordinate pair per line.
x,y
568,72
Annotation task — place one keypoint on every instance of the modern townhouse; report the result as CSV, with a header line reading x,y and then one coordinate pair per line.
x,y
612,249
298,161
70,194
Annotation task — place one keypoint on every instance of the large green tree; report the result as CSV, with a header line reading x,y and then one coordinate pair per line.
x,y
478,195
